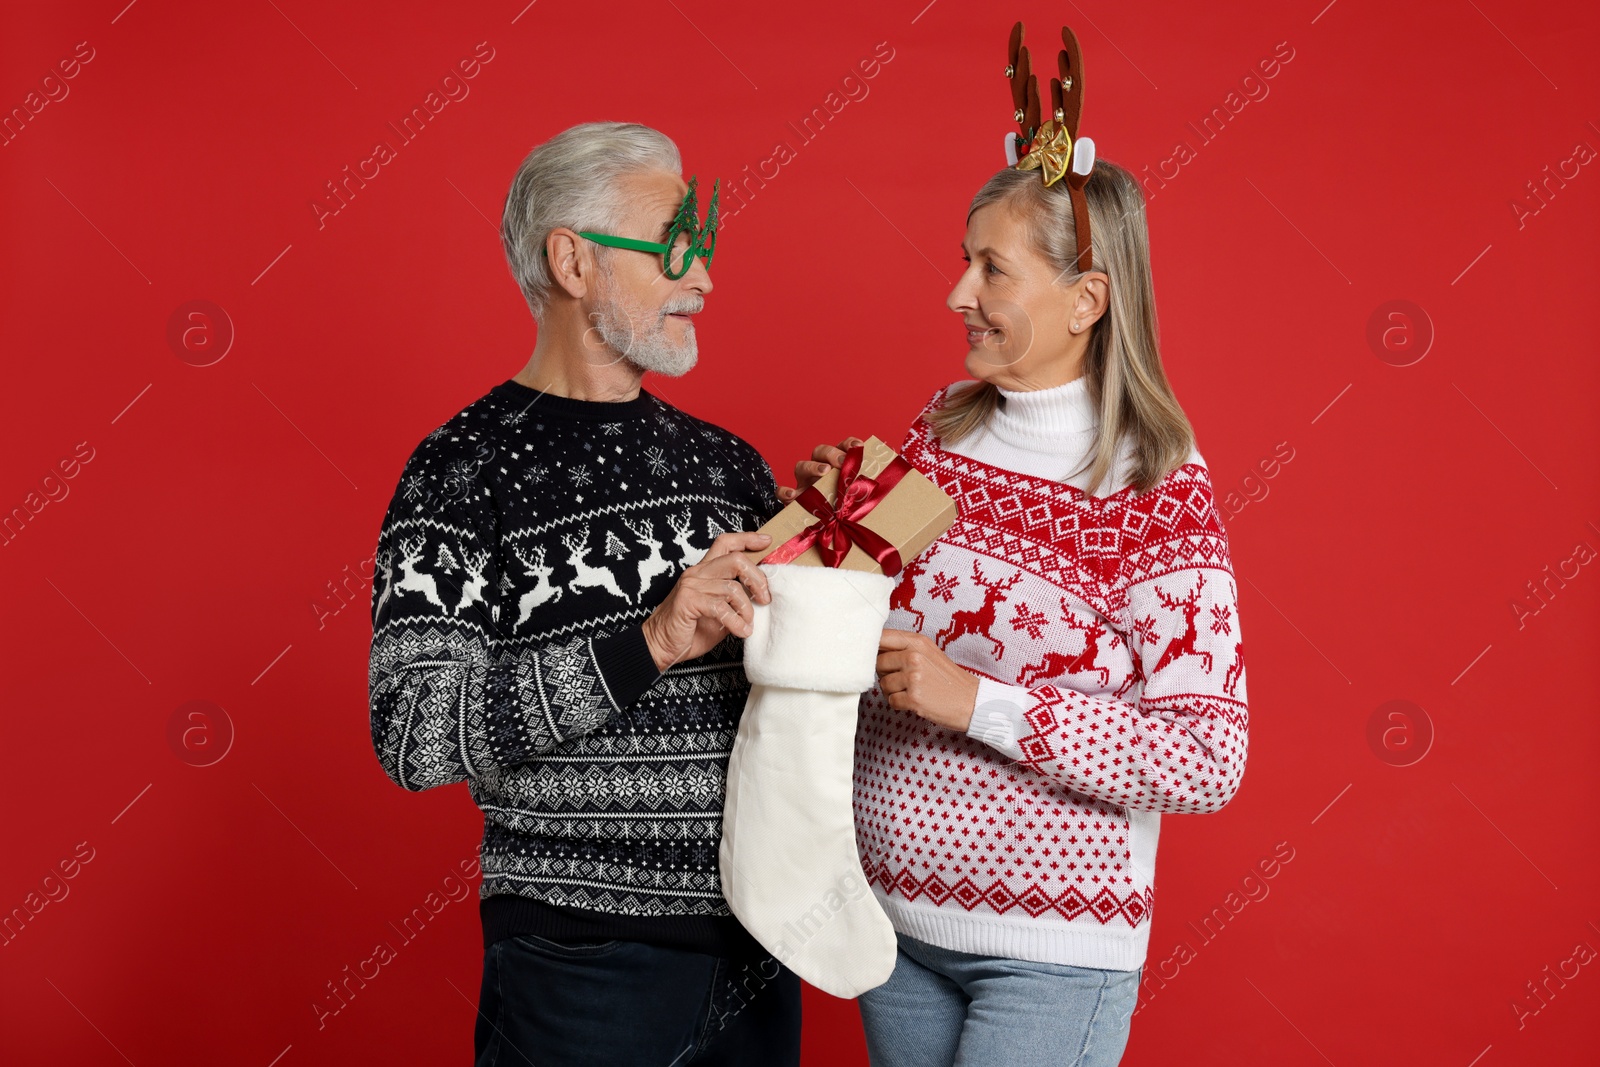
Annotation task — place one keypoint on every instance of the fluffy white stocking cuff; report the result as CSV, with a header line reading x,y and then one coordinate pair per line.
x,y
821,630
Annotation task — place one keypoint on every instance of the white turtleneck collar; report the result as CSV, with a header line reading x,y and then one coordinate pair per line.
x,y
1045,433
1038,419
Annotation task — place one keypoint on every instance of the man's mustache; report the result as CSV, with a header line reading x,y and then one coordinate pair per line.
x,y
687,306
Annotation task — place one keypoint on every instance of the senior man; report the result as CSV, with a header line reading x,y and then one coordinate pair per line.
x,y
558,622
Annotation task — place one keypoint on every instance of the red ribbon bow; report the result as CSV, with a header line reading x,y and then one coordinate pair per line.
x,y
839,529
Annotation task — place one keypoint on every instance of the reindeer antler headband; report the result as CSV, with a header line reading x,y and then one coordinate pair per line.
x,y
1055,149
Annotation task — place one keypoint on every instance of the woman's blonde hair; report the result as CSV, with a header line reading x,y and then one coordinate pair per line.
x,y
1127,383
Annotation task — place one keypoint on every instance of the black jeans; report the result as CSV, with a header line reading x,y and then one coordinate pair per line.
x,y
627,1004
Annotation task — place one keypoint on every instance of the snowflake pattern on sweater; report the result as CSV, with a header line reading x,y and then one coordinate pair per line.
x,y
1104,632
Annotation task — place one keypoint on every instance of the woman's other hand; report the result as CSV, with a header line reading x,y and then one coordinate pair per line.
x,y
915,675
807,471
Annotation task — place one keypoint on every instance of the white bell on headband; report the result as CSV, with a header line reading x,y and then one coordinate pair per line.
x,y
1082,155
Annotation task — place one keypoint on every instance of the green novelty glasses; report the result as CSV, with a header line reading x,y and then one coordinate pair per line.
x,y
686,238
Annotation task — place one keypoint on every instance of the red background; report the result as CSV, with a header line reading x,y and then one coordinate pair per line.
x,y
1383,562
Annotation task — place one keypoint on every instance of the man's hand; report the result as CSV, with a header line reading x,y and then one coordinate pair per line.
x,y
710,600
807,471
915,675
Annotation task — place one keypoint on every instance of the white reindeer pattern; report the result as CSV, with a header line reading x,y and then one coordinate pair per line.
x,y
543,591
644,533
386,568
589,576
472,588
546,591
415,581
680,527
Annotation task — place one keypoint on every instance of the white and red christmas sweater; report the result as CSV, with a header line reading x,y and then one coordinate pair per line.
x,y
1104,632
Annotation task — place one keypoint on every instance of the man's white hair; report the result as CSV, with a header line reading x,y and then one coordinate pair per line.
x,y
571,180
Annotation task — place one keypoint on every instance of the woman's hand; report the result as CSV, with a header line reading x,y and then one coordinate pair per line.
x,y
915,675
807,471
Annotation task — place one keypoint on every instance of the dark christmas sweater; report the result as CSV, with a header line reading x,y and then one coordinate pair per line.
x,y
528,538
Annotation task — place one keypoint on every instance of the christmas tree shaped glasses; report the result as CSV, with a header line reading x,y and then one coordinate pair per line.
x,y
686,238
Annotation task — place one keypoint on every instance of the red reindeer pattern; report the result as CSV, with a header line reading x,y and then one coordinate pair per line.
x,y
1230,681
1183,644
979,621
1056,664
906,589
1222,624
1136,676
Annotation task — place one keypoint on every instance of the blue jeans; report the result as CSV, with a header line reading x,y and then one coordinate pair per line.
x,y
623,1002
942,1008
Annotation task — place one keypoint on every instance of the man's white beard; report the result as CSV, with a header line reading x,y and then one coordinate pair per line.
x,y
627,330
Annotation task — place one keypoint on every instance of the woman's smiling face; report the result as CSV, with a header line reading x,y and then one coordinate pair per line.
x,y
1018,317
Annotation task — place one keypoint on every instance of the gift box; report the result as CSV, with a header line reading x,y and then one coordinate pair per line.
x,y
890,512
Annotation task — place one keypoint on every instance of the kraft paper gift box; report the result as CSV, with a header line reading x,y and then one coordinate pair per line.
x,y
910,517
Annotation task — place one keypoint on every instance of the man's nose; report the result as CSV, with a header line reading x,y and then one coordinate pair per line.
x,y
697,277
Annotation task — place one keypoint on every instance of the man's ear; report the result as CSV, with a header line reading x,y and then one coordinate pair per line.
x,y
571,264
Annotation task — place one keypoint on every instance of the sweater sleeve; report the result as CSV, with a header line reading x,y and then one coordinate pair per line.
x,y
1181,746
446,703
766,485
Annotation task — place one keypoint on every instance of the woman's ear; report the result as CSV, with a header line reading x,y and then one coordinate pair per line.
x,y
1094,296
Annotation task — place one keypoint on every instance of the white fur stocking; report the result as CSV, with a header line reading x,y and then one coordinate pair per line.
x,y
790,870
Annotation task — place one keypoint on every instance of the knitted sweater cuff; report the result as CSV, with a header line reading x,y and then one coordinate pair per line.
x,y
998,716
626,666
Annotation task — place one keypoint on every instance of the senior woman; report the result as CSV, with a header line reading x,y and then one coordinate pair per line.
x,y
1062,666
